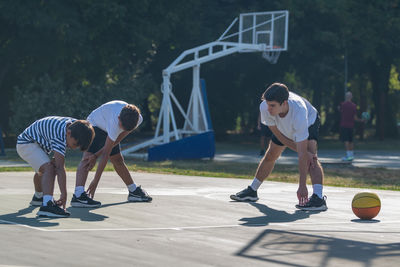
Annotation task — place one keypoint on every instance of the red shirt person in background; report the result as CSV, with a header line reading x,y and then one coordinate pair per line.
x,y
348,112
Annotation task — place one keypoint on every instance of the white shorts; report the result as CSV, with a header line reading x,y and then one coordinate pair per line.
x,y
33,154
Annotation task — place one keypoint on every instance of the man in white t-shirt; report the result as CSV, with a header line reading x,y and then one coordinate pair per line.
x,y
294,123
112,122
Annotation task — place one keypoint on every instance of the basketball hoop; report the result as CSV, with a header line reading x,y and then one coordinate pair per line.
x,y
271,56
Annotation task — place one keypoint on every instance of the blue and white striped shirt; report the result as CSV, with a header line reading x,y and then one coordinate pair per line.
x,y
48,132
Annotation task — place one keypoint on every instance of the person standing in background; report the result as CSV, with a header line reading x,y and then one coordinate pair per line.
x,y
348,112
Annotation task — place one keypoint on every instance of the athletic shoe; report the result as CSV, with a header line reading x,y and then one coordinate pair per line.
x,y
247,194
139,195
348,158
314,204
84,201
52,210
36,201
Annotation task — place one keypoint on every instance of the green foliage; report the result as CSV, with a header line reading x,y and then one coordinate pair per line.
x,y
68,57
45,97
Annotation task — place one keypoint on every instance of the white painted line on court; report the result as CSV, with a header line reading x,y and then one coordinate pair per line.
x,y
147,229
181,228
24,225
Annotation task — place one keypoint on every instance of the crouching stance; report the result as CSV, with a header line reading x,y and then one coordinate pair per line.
x,y
52,134
112,122
294,123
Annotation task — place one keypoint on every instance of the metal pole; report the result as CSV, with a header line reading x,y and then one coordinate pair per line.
x,y
166,109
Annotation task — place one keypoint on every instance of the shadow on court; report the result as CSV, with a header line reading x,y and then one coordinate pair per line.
x,y
19,218
84,214
274,216
297,249
87,214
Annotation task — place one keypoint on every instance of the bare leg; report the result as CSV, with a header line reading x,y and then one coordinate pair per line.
x,y
49,175
121,169
316,173
82,172
268,162
37,181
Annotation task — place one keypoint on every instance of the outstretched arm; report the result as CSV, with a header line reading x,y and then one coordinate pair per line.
x,y
283,139
292,145
302,193
105,154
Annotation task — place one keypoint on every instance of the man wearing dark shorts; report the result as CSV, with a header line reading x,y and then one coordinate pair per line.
x,y
112,122
348,114
294,123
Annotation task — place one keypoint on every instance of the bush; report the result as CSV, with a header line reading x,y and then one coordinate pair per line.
x,y
47,97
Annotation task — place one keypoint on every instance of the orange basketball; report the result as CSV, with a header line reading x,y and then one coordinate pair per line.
x,y
366,205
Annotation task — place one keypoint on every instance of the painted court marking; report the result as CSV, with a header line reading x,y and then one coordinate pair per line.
x,y
181,228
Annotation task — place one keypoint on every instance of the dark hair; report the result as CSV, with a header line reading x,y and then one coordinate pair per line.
x,y
276,92
82,131
129,117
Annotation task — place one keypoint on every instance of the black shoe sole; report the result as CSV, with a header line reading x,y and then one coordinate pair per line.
x,y
138,199
321,208
244,199
83,205
36,203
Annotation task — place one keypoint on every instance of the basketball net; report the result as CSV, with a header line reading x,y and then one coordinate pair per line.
x,y
271,56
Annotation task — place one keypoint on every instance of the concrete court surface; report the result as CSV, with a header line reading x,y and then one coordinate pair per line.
x,y
192,222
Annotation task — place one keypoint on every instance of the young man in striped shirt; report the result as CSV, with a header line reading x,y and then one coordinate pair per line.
x,y
112,122
35,143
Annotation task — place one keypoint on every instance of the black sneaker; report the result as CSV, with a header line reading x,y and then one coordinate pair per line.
x,y
314,204
36,201
52,210
139,195
247,194
84,201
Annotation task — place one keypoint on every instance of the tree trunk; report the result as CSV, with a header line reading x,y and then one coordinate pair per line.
x,y
380,74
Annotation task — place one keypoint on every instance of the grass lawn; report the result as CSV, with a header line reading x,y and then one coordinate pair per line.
x,y
336,176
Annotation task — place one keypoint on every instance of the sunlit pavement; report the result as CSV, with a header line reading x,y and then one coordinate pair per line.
x,y
193,222
371,159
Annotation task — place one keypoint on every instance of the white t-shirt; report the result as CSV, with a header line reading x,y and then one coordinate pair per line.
x,y
106,118
294,125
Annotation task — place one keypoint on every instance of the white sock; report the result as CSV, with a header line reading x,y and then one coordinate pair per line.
x,y
47,198
38,194
79,190
255,184
317,189
131,187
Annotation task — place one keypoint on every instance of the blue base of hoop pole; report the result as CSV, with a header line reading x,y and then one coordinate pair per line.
x,y
193,147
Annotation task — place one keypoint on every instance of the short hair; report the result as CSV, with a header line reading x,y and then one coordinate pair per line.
x,y
129,117
83,132
276,92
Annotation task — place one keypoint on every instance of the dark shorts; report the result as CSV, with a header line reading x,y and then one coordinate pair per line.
x,y
99,141
265,131
346,134
313,132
